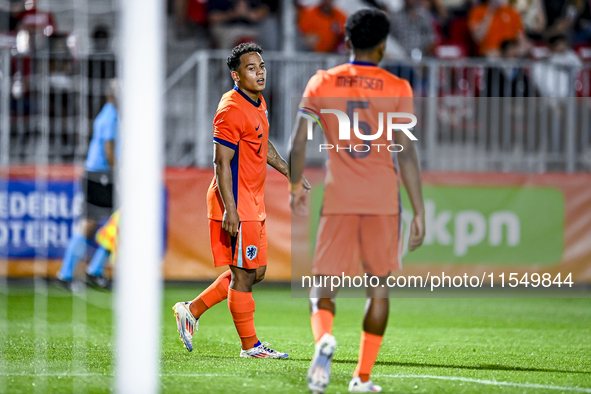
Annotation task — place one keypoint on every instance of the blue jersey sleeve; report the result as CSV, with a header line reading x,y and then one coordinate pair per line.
x,y
108,128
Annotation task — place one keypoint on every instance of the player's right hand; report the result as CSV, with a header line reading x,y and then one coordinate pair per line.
x,y
417,232
299,204
231,222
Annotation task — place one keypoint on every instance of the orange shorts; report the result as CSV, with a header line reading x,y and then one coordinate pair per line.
x,y
247,250
343,241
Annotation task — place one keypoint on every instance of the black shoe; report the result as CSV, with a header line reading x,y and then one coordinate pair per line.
x,y
67,285
73,286
99,282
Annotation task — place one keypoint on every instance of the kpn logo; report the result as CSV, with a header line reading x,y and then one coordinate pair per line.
x,y
489,224
388,122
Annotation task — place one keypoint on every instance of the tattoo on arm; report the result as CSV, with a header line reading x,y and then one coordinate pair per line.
x,y
275,160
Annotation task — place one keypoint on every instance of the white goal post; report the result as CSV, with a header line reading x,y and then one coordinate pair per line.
x,y
138,278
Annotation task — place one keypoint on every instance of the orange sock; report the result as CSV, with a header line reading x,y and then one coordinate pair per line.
x,y
368,352
321,323
215,293
241,307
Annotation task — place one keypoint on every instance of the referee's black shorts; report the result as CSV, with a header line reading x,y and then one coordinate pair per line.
x,y
98,195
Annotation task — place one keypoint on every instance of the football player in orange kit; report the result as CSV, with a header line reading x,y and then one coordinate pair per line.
x,y
235,203
360,217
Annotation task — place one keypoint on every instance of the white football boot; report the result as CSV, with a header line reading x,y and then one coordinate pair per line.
x,y
186,323
357,386
262,351
319,372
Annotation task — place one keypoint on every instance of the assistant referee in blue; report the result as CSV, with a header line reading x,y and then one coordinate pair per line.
x,y
98,189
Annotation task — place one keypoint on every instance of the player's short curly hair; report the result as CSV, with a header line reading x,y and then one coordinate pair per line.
x,y
367,28
233,60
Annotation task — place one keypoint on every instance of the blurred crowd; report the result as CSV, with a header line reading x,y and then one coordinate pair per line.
x,y
29,29
45,66
557,31
441,28
17,15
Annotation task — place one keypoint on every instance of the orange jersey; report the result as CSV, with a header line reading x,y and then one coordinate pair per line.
x,y
505,25
242,124
362,182
329,29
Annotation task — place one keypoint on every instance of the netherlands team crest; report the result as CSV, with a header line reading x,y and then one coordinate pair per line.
x,y
251,252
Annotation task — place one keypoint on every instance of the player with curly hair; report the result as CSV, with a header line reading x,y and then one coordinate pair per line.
x,y
235,203
361,217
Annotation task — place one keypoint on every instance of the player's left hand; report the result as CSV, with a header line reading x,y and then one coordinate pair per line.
x,y
303,181
299,203
417,232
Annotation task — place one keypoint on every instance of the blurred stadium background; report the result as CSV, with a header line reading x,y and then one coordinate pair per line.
x,y
523,107
512,117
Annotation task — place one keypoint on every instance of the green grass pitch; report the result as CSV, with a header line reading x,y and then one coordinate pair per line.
x,y
431,345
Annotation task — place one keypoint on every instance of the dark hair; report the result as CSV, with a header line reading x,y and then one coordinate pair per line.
x,y
100,32
553,40
507,44
233,60
367,28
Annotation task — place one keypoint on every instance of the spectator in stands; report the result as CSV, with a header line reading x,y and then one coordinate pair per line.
x,y
507,80
232,21
437,10
412,27
458,8
583,29
189,15
101,63
10,11
393,49
349,7
533,17
35,21
554,77
33,27
101,39
579,31
563,16
101,67
270,36
583,26
323,26
561,51
493,22
553,10
4,16
439,18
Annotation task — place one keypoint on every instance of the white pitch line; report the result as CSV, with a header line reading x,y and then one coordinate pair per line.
x,y
489,382
215,375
